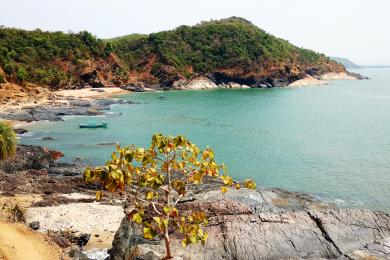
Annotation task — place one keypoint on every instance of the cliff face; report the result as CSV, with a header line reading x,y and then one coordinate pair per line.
x,y
224,51
228,50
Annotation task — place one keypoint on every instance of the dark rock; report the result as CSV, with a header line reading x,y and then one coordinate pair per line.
x,y
34,225
20,131
357,75
66,169
76,254
83,240
59,239
80,103
28,157
57,111
134,88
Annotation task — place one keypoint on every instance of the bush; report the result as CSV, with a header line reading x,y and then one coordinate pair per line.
x,y
8,141
22,74
2,79
158,177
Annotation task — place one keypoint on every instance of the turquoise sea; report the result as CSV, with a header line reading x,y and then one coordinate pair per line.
x,y
331,141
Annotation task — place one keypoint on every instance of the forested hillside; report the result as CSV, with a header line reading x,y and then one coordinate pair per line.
x,y
228,50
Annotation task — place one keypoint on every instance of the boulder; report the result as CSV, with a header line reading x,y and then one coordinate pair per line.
x,y
28,157
34,225
20,131
194,84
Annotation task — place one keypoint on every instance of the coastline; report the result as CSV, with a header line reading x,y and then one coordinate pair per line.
x,y
66,212
56,105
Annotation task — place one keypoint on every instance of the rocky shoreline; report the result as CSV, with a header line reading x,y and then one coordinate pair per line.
x,y
93,102
58,109
276,224
218,81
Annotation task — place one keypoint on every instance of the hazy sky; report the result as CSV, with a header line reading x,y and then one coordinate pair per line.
x,y
355,29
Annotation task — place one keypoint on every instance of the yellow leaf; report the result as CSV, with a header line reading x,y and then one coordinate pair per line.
x,y
137,218
99,195
111,187
194,239
250,184
185,242
149,196
149,233
224,189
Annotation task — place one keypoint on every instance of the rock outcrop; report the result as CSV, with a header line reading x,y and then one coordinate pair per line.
x,y
193,84
265,224
308,81
58,109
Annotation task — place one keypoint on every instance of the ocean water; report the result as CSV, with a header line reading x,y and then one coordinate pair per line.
x,y
331,141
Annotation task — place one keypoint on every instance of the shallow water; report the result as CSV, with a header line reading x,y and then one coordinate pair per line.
x,y
332,141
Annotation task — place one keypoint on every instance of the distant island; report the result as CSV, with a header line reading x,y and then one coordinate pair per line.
x,y
219,52
346,62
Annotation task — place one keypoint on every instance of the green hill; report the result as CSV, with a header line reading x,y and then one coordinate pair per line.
x,y
231,45
231,49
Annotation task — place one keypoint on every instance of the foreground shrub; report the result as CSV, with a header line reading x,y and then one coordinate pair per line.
x,y
157,178
8,141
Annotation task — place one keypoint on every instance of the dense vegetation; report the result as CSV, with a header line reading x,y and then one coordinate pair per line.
x,y
8,141
211,45
34,56
57,58
157,178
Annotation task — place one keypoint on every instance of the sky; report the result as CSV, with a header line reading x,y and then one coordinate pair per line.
x,y
353,29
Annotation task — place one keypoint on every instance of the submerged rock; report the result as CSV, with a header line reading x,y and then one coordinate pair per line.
x,y
247,224
20,131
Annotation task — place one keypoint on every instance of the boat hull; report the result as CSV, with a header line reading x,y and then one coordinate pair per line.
x,y
94,126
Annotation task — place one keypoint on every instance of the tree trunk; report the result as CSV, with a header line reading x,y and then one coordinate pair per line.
x,y
167,245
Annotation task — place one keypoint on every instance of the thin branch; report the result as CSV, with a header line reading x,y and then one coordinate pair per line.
x,y
155,209
178,199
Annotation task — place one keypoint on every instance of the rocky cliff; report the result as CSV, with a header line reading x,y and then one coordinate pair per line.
x,y
227,51
268,224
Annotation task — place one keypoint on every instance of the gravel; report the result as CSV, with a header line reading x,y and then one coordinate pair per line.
x,y
82,217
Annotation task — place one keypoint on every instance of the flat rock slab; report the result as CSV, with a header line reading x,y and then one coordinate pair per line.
x,y
249,224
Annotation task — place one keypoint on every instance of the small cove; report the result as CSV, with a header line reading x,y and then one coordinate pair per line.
x,y
331,141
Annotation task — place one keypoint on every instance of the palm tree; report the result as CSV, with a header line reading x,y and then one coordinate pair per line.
x,y
8,141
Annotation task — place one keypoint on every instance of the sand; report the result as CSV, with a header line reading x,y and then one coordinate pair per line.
x,y
308,81
90,93
17,242
83,217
